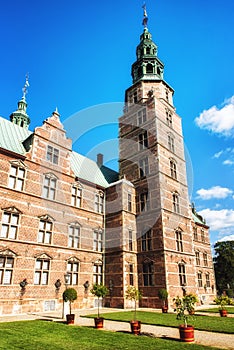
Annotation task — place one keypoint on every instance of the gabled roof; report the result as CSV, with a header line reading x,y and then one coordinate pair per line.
x,y
12,138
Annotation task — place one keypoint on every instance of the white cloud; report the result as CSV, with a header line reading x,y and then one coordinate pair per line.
x,y
219,220
220,121
214,192
218,154
228,162
227,238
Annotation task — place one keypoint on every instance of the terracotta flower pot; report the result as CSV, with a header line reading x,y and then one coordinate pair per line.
x,y
135,327
98,322
70,318
186,333
164,309
223,313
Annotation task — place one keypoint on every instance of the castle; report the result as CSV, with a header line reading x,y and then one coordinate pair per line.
x,y
66,220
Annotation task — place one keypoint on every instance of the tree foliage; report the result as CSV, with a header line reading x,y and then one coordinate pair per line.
x,y
224,266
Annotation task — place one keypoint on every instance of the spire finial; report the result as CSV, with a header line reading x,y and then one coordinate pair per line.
x,y
25,91
145,17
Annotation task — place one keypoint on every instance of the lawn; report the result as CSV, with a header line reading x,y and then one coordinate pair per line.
x,y
205,323
44,335
230,310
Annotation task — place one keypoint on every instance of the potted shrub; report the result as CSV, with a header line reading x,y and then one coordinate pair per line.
x,y
163,295
194,301
183,307
70,294
223,301
133,294
100,291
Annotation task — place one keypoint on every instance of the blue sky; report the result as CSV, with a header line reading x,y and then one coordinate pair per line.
x,y
79,55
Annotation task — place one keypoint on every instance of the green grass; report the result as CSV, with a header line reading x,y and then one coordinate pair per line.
x,y
44,335
230,310
205,323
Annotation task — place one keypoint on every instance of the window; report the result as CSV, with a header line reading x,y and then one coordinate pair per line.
x,y
182,275
198,262
99,201
130,243
175,199
205,259
131,279
148,51
146,241
144,167
149,68
148,274
199,279
49,188
42,267
173,169
73,270
97,273
135,99
74,236
167,95
171,143
195,234
144,203
169,118
143,140
45,232
17,177
179,241
10,224
98,240
76,196
203,236
52,154
141,116
6,269
129,202
207,280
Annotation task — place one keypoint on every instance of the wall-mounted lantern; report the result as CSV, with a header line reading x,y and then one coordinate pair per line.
x,y
86,287
57,284
23,284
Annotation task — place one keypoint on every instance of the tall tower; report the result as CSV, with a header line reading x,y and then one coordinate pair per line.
x,y
152,158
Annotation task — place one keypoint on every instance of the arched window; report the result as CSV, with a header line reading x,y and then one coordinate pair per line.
x,y
173,169
148,51
182,274
149,68
175,200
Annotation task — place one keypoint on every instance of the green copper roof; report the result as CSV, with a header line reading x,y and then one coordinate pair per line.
x,y
13,137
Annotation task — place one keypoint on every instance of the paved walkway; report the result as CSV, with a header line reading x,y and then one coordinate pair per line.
x,y
218,340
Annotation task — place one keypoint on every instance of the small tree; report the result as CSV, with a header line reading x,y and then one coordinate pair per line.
x,y
100,291
184,306
70,294
133,294
163,295
223,301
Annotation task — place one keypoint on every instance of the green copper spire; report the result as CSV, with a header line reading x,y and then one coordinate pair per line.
x,y
20,116
147,66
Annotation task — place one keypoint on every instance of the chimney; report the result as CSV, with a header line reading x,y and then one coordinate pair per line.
x,y
99,159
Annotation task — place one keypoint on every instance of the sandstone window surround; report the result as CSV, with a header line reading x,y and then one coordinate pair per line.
x,y
73,266
205,261
182,274
52,154
179,240
99,202
98,272
45,229
143,167
17,175
49,186
173,169
203,236
141,116
146,241
148,273
6,268
42,268
175,202
129,202
130,274
169,118
198,261
10,223
207,280
130,240
171,142
74,235
195,236
143,140
98,240
199,279
76,199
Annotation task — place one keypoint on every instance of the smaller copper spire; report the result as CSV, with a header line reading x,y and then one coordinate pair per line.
x,y
25,91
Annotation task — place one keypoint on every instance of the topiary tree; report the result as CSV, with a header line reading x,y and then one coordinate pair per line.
x,y
70,294
100,291
163,295
133,294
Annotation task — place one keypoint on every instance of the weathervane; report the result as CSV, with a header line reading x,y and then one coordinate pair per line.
x,y
145,18
25,91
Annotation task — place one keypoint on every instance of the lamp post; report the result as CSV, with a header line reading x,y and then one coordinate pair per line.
x,y
66,281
